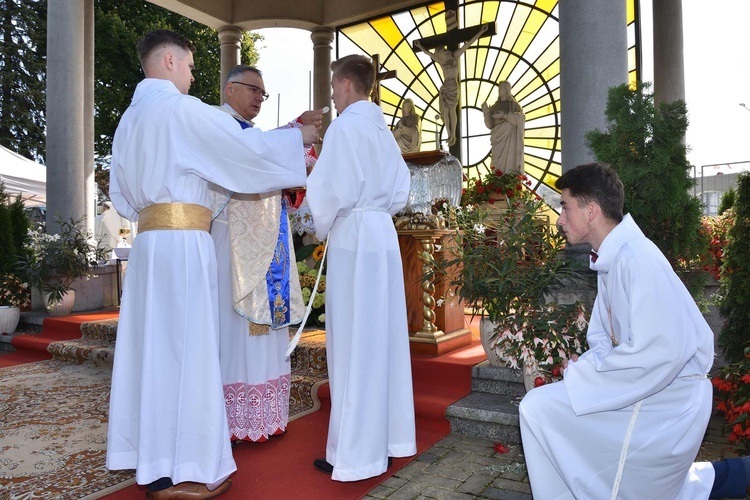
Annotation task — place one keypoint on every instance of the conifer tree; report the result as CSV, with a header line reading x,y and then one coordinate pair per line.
x,y
23,66
644,144
7,247
735,277
120,24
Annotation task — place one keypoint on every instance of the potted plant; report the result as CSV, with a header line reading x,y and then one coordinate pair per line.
x,y
506,268
52,262
14,294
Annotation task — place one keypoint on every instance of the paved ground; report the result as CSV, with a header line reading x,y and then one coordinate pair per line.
x,y
462,467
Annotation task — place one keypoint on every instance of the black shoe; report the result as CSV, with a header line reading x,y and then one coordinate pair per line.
x,y
390,462
323,466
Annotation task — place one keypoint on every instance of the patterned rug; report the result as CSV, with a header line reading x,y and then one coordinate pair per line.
x,y
53,416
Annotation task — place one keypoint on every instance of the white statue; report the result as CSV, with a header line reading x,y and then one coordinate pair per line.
x,y
449,91
506,121
408,130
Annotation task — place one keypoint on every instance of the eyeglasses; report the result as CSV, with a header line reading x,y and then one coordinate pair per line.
x,y
255,89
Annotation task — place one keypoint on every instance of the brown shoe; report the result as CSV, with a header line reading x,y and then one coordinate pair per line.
x,y
189,491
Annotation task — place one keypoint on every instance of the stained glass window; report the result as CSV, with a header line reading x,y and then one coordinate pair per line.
x,y
524,51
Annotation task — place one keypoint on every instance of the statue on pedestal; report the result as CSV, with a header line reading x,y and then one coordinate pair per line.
x,y
506,121
408,130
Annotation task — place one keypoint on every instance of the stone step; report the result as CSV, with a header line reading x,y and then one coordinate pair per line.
x,y
486,415
83,350
499,380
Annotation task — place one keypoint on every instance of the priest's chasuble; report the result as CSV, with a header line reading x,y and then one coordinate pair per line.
x,y
167,416
573,431
359,181
255,370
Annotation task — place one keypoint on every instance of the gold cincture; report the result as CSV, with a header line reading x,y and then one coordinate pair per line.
x,y
174,216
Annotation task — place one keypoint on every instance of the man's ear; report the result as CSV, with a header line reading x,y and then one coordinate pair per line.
x,y
169,59
593,210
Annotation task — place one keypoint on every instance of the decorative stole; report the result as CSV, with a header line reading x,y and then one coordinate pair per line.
x,y
265,281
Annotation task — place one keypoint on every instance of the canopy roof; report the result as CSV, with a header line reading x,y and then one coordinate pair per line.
x,y
255,14
24,176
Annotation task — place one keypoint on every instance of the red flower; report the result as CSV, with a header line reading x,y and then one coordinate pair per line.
x,y
480,189
556,371
538,381
500,448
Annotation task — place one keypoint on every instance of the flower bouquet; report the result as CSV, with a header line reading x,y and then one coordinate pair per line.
x,y
307,277
14,292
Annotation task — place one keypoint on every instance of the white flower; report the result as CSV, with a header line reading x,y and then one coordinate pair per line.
x,y
480,228
438,247
440,302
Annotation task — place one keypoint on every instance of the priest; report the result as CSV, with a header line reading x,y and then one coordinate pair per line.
x,y
167,419
259,290
359,181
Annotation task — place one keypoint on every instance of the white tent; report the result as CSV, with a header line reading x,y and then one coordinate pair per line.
x,y
21,175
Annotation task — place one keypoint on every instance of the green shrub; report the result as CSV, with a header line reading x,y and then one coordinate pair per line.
x,y
735,277
644,145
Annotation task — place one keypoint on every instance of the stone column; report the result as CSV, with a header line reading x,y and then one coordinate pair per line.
x,y
669,62
322,39
230,38
593,58
90,187
65,99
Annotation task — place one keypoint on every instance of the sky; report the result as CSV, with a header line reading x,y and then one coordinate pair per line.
x,y
717,79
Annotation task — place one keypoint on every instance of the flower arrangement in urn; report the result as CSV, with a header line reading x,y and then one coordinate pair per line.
x,y
52,262
496,186
539,339
507,266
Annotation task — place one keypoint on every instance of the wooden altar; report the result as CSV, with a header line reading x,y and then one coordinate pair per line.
x,y
435,315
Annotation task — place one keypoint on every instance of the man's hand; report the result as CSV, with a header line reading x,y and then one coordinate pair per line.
x,y
309,134
313,117
573,358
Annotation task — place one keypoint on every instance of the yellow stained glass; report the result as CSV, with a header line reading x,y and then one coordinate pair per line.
x,y
524,51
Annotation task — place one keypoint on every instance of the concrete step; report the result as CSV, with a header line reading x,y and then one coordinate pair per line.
x,y
486,415
495,379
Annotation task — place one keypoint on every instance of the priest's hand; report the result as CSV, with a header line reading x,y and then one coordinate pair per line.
x,y
309,134
573,358
313,117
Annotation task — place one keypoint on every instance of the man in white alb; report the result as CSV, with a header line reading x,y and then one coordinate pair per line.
x,y
630,414
167,419
359,181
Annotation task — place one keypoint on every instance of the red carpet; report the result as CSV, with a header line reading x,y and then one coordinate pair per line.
x,y
281,468
33,347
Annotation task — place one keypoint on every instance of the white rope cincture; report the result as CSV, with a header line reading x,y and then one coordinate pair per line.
x,y
295,340
624,452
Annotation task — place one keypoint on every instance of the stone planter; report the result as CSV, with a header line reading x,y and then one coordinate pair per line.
x,y
9,317
486,327
63,307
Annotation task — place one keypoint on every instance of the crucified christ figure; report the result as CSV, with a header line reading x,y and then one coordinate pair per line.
x,y
449,91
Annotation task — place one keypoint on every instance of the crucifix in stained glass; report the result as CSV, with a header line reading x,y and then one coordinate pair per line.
x,y
385,75
447,53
